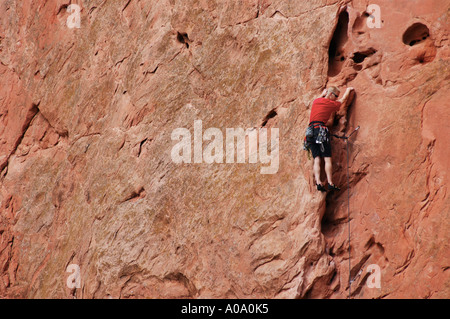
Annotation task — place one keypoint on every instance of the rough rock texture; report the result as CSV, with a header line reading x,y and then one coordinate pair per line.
x,y
87,176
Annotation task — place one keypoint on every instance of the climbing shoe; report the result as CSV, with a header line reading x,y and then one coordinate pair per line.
x,y
333,188
321,188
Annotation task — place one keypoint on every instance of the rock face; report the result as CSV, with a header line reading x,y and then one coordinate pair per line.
x,y
93,204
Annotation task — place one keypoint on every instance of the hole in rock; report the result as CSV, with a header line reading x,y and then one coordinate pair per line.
x,y
425,56
359,57
335,53
183,38
333,275
415,34
269,115
141,144
62,8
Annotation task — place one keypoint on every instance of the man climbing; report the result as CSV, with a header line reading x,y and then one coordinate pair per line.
x,y
323,111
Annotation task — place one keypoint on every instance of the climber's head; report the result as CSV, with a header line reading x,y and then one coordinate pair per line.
x,y
332,93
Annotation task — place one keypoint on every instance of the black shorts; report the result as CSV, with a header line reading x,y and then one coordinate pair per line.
x,y
317,151
316,148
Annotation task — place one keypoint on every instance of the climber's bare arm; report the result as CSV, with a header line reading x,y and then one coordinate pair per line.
x,y
346,100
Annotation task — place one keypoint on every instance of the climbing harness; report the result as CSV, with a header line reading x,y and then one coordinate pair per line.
x,y
322,137
316,132
346,138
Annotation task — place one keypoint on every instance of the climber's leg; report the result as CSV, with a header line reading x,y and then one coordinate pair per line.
x,y
317,170
329,170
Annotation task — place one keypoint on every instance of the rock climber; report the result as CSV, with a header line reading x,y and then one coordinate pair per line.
x,y
322,115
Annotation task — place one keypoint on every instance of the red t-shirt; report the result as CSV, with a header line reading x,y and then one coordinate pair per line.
x,y
322,108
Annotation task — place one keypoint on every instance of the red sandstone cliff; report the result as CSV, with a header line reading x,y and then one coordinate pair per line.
x,y
87,177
